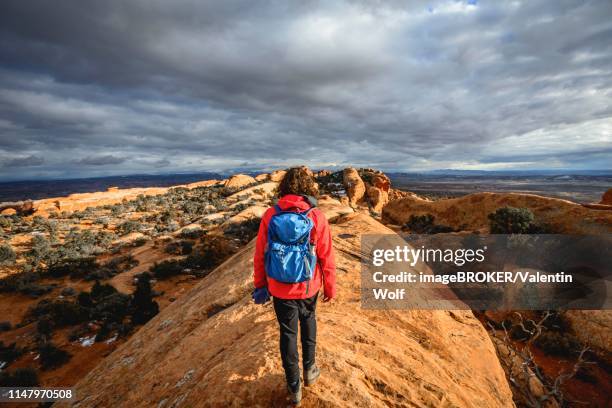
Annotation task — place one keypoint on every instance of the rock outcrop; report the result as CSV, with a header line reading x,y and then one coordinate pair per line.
x,y
214,347
471,211
239,180
18,207
354,185
277,175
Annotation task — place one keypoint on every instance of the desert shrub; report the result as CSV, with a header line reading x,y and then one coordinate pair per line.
x,y
44,224
44,327
7,255
244,231
102,221
100,290
192,233
21,377
9,353
143,305
557,344
41,251
59,312
5,326
82,244
84,299
111,268
511,220
140,241
52,356
24,282
75,268
5,222
173,248
186,247
117,209
105,330
128,227
179,248
121,263
424,224
111,308
210,254
167,269
68,291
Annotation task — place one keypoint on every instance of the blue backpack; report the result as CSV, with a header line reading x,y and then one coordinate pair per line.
x,y
290,257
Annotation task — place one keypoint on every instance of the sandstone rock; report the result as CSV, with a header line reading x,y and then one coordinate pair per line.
x,y
19,207
354,185
607,197
239,180
222,350
382,182
262,177
253,212
277,175
377,197
255,193
204,183
322,173
471,211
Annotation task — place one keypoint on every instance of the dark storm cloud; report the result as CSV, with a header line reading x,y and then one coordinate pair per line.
x,y
191,85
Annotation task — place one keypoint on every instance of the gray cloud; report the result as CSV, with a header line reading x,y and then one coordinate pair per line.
x,y
101,160
25,161
191,85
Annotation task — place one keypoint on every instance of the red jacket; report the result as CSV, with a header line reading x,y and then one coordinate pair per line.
x,y
325,271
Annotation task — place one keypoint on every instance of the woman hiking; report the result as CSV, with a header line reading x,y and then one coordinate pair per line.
x,y
294,259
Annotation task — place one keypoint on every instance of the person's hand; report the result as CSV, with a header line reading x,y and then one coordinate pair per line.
x,y
326,298
260,295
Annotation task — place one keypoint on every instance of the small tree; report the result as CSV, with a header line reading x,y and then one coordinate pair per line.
x,y
511,220
7,255
143,304
51,356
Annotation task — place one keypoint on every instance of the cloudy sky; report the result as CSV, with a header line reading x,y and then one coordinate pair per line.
x,y
154,86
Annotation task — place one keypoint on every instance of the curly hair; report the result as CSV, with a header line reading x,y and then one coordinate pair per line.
x,y
298,181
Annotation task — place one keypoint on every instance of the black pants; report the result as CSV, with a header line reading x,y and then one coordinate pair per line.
x,y
290,312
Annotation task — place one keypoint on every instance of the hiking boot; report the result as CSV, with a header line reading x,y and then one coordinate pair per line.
x,y
311,375
295,397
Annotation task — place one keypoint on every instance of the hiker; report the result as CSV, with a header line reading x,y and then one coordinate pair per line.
x,y
294,259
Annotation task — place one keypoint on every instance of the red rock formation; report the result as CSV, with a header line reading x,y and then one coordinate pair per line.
x,y
354,185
